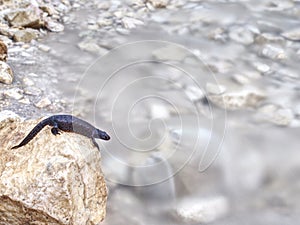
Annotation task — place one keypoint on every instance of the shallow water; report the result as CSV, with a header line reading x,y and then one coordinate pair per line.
x,y
170,144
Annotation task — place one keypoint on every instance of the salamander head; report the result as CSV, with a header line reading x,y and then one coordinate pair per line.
x,y
102,135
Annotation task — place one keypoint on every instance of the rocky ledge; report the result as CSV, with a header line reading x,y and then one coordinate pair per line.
x,y
52,180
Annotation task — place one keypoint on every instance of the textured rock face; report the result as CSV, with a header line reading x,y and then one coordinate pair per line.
x,y
51,180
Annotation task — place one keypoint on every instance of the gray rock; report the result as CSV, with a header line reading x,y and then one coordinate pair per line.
x,y
6,74
91,46
25,35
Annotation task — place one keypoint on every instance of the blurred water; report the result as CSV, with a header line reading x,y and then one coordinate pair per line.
x,y
171,150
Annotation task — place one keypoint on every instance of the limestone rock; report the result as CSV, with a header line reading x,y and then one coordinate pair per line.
x,y
24,18
53,180
6,74
25,35
3,51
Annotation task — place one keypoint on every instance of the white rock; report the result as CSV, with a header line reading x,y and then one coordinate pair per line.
x,y
273,52
91,46
261,67
130,23
194,93
215,88
6,74
27,81
14,93
44,102
205,210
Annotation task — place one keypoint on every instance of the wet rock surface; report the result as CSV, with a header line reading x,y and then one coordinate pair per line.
x,y
51,180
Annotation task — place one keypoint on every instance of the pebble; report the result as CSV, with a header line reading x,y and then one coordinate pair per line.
x,y
3,51
241,79
202,210
241,35
44,102
25,101
31,90
90,46
130,23
14,93
170,52
293,35
102,22
27,81
194,93
261,67
54,26
215,89
238,100
25,35
6,74
44,48
273,52
158,3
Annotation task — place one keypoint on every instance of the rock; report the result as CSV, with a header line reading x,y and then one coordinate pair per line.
x,y
3,51
44,48
52,180
31,90
54,26
104,22
24,18
215,89
293,35
14,93
275,114
273,52
194,93
49,9
158,3
25,35
6,74
44,102
204,210
7,116
241,35
238,100
130,23
91,46
27,81
261,67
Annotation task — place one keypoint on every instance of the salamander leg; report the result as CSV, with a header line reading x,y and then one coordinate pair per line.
x,y
95,143
55,130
